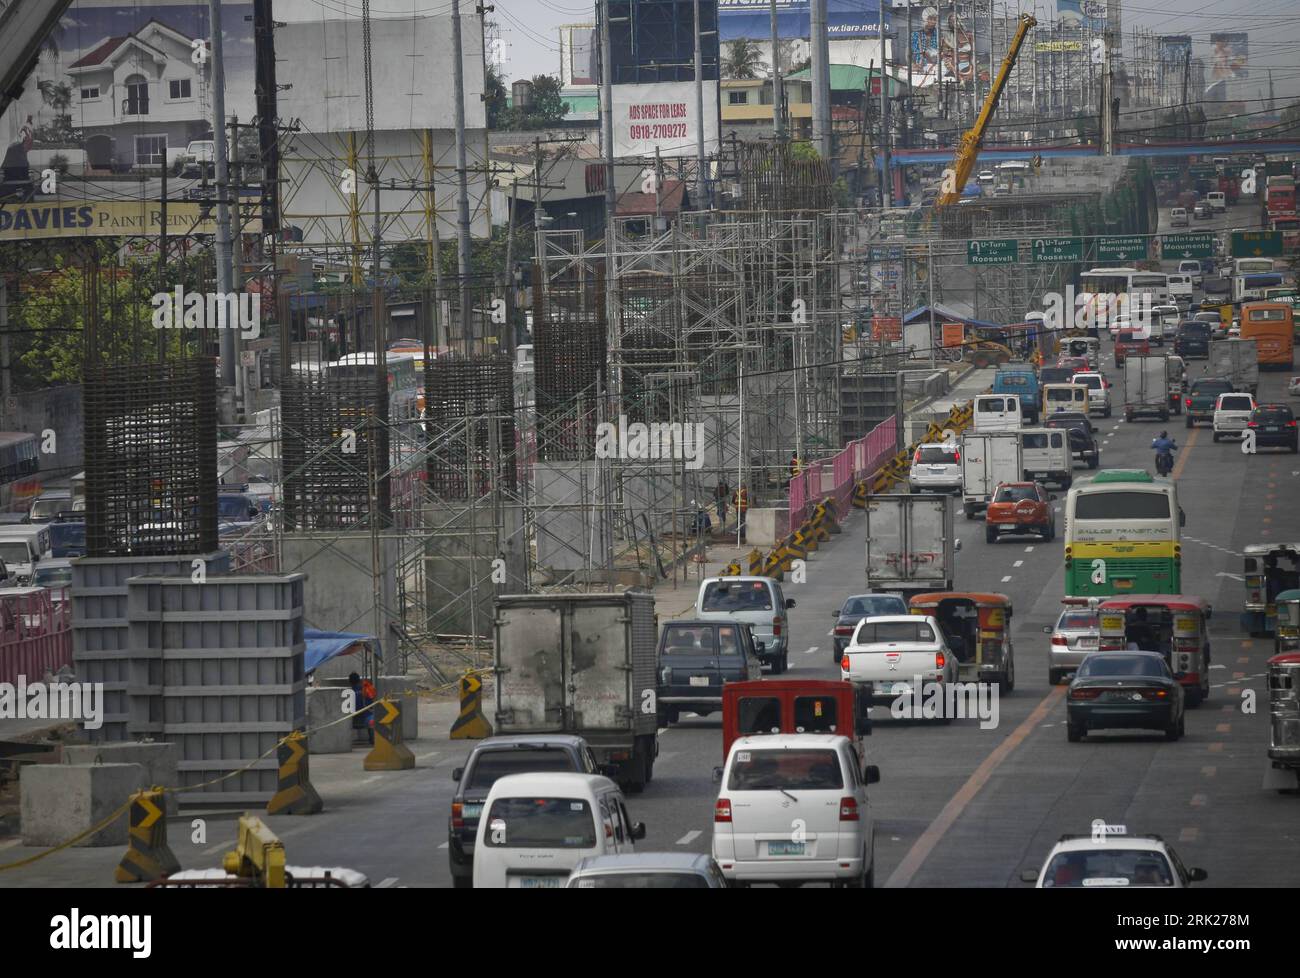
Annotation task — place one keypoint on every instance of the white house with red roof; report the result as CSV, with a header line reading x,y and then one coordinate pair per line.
x,y
147,91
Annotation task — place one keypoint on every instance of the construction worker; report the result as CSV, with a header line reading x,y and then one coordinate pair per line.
x,y
795,466
741,500
721,494
363,694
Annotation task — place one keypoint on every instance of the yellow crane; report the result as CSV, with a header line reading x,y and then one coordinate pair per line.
x,y
968,150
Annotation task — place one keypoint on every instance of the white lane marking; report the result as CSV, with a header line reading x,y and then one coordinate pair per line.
x,y
831,632
1029,550
1217,666
444,845
689,837
1235,577
665,754
1005,579
810,651
1017,563
386,882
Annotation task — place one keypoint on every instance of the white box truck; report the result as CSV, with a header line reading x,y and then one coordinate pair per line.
x,y
1146,387
1236,360
910,543
988,458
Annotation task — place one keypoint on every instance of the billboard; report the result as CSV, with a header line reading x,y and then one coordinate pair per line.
x,y
124,88
662,115
654,40
1175,50
580,47
1087,14
1229,58
944,49
844,19
69,218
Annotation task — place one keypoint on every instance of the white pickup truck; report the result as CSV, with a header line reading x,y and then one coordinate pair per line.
x,y
889,653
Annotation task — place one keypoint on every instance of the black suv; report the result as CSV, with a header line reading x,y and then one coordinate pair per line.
x,y
1193,340
1274,426
695,658
1083,441
494,758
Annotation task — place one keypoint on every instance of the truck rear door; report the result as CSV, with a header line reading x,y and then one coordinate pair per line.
x,y
886,548
1005,460
925,538
531,669
600,673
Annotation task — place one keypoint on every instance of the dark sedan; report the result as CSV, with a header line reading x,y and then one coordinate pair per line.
x,y
859,606
1124,691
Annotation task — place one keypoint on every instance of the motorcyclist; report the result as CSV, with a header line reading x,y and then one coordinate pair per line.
x,y
1165,448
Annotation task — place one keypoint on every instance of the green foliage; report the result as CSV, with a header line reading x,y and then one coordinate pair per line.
x,y
743,59
804,151
494,98
547,108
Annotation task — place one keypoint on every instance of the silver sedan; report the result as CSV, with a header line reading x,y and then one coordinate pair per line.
x,y
1075,634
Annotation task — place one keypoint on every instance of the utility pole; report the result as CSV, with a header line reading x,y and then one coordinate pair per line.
x,y
162,258
701,178
778,87
886,175
462,179
907,116
821,92
608,406
1187,71
225,272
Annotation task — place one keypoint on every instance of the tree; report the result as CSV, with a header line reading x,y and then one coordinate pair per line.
x,y
494,98
547,108
743,59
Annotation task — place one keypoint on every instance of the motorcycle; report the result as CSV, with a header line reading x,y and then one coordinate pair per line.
x,y
1164,462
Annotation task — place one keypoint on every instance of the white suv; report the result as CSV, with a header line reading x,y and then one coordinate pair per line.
x,y
936,468
1098,392
1231,414
793,808
1109,857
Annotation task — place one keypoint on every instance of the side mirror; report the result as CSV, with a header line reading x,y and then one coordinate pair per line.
x,y
1029,876
789,602
1209,613
835,614
862,724
717,775
1197,875
1182,517
871,774
957,544
457,773
638,831
1047,629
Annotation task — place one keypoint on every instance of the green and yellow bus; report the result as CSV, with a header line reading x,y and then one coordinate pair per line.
x,y
1122,536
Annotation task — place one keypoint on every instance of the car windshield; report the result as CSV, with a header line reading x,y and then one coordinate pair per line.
x,y
1015,494
1279,415
67,535
873,604
493,764
14,552
774,770
540,823
991,404
736,596
875,632
1241,403
45,508
1078,621
53,577
1215,387
937,455
642,881
1108,867
1105,666
1091,381
686,640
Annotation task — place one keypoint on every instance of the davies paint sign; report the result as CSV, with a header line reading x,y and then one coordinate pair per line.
x,y
662,115
77,219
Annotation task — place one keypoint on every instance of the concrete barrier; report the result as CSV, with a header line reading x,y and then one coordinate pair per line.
x,y
60,801
405,692
158,762
766,527
325,703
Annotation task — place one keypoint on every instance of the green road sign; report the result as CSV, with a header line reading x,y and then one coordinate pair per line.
x,y
1256,244
1122,248
992,251
1057,249
1174,246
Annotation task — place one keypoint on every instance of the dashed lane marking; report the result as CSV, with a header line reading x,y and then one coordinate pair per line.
x,y
1188,834
1029,550
689,837
385,882
1005,579
1198,801
1209,771
1017,563
1216,748
1223,728
810,651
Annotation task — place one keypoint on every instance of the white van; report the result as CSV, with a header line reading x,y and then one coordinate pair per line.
x,y
1180,290
997,412
1045,455
1217,200
21,546
756,601
1178,217
536,827
1065,397
1192,267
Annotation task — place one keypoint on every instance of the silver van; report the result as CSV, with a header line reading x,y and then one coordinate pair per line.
x,y
1045,454
21,547
757,602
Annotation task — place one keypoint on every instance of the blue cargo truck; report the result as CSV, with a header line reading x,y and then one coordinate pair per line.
x,y
1020,379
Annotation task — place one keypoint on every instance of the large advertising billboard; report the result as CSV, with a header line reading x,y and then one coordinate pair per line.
x,y
944,49
844,19
1229,57
661,115
1087,14
1175,50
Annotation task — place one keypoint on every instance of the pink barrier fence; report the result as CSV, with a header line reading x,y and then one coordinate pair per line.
x,y
35,635
836,476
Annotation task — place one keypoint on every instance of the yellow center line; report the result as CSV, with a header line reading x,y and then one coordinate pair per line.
x,y
1177,472
938,829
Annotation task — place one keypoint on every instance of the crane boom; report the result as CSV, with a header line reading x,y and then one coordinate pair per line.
x,y
968,150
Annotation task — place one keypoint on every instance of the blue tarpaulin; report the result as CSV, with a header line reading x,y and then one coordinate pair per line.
x,y
323,646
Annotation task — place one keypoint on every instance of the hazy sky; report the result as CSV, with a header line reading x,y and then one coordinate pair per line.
x,y
529,30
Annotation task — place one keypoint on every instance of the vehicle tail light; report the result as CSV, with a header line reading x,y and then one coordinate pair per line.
x,y
956,456
776,626
940,660
843,629
457,815
1155,694
916,459
1189,402
844,662
1060,640
1290,424
848,809
1255,597
1085,693
722,810
1252,424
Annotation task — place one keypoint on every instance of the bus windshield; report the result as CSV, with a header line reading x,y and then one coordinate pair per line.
x,y
1121,505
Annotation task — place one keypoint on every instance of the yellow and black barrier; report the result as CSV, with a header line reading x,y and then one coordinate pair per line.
x,y
756,562
775,565
829,516
390,752
147,855
472,724
731,570
860,493
795,546
295,794
809,536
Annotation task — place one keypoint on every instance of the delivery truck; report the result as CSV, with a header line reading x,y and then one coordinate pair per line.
x,y
1146,388
1236,360
910,543
581,664
988,458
